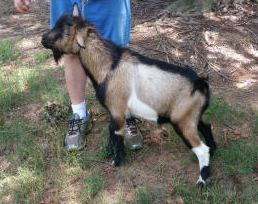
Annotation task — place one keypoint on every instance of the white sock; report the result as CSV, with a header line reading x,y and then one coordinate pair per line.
x,y
80,109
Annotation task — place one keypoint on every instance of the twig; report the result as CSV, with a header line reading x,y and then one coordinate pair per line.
x,y
160,51
51,120
233,128
252,33
211,65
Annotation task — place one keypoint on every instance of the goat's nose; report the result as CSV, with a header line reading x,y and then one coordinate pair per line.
x,y
45,41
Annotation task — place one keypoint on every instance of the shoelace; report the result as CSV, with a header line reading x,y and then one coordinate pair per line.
x,y
73,124
131,124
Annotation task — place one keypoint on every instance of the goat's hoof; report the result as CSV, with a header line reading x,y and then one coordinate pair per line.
x,y
200,183
117,162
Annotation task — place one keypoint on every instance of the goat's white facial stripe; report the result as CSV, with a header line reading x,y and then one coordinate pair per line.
x,y
137,107
203,155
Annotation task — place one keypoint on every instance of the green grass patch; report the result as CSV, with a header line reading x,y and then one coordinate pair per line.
x,y
215,194
29,186
220,112
41,56
254,122
7,52
39,85
25,186
20,138
147,195
238,157
92,185
102,143
12,86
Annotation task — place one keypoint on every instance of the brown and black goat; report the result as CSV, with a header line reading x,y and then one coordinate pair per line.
x,y
127,83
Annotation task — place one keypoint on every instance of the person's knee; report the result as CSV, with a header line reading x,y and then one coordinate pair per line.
x,y
70,58
71,61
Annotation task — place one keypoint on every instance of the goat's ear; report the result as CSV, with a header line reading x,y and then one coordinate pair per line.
x,y
76,10
80,40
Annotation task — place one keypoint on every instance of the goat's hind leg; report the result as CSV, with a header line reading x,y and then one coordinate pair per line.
x,y
116,129
188,132
205,129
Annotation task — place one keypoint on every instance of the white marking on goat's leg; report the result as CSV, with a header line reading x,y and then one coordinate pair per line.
x,y
120,132
203,155
119,127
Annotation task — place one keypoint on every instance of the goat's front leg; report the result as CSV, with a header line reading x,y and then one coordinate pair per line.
x,y
111,142
116,129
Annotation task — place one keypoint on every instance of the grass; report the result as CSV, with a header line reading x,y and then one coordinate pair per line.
x,y
41,56
221,113
7,52
16,86
146,195
27,162
238,157
28,187
215,194
92,184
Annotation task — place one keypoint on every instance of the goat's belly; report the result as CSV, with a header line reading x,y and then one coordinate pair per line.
x,y
137,108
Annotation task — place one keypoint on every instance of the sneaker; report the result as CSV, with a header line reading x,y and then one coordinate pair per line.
x,y
132,134
77,129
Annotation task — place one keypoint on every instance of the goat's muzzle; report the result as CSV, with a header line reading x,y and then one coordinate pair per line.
x,y
46,42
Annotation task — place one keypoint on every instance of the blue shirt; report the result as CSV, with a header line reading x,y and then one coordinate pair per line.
x,y
112,18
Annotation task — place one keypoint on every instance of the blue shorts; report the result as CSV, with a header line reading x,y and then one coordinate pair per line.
x,y
112,18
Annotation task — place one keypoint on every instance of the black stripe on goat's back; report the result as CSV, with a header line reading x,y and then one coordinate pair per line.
x,y
115,51
183,71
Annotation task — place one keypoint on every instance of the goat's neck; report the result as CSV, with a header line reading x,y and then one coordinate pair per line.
x,y
96,59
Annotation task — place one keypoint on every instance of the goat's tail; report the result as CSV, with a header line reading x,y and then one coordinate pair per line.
x,y
201,84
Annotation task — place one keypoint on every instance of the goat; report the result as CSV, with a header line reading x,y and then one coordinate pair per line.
x,y
127,82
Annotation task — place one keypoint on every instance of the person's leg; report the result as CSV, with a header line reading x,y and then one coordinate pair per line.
x,y
75,81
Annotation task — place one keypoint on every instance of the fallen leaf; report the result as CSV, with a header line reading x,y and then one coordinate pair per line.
x,y
236,132
170,190
179,200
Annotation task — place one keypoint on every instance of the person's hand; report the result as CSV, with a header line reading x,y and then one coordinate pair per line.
x,y
22,5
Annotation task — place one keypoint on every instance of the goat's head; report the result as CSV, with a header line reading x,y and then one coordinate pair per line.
x,y
68,35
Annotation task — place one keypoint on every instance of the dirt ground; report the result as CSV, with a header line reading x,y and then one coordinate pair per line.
x,y
222,45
